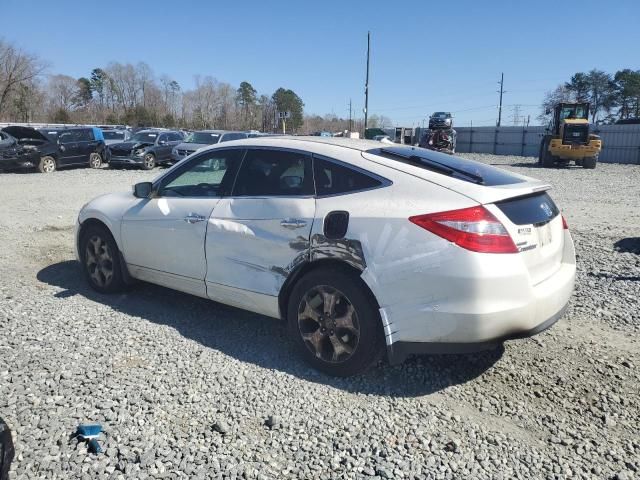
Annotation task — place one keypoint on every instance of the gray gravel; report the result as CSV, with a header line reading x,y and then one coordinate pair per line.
x,y
187,388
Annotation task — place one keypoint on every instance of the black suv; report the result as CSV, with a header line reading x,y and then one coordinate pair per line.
x,y
440,120
146,149
62,147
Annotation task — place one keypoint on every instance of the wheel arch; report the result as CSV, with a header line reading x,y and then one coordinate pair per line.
x,y
92,222
309,266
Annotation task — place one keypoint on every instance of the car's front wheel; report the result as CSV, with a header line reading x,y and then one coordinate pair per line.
x,y
149,161
335,323
101,260
47,164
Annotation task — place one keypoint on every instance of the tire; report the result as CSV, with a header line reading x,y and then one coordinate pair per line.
x,y
47,164
100,259
341,341
149,161
95,160
590,162
545,159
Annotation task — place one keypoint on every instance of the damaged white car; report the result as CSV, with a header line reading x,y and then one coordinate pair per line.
x,y
363,248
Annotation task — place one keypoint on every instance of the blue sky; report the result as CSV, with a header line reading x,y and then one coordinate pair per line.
x,y
425,56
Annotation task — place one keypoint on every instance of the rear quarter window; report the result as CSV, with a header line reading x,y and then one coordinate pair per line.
x,y
333,178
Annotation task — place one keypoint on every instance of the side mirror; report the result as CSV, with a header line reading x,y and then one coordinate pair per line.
x,y
142,189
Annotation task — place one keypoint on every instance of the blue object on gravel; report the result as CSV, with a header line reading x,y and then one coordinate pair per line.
x,y
90,432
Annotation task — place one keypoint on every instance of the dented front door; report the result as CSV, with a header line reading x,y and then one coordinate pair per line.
x,y
252,245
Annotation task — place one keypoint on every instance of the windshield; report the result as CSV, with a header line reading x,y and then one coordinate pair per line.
x,y
111,135
207,138
442,115
149,137
575,111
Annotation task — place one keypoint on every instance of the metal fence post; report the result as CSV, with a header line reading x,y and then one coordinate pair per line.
x,y
524,132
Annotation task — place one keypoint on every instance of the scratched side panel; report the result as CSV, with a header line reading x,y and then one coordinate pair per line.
x,y
249,249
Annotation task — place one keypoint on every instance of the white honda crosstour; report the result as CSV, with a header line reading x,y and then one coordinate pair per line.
x,y
363,248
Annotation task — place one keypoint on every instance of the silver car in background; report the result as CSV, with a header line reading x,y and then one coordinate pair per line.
x,y
362,247
203,138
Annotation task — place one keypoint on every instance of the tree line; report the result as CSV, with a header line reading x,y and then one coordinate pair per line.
x,y
612,97
123,93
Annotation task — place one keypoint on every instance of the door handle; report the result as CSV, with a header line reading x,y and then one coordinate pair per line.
x,y
194,218
292,223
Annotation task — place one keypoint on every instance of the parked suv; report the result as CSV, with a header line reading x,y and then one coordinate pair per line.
x,y
203,138
146,149
440,120
62,147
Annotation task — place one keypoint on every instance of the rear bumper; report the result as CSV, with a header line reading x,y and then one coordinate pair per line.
x,y
399,351
473,303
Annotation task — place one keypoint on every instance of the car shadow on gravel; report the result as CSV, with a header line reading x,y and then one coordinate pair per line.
x,y
263,341
628,245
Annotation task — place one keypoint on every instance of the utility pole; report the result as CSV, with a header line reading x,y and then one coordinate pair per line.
x,y
501,92
350,123
366,85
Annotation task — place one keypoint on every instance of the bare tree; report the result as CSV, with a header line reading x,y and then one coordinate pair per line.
x,y
16,68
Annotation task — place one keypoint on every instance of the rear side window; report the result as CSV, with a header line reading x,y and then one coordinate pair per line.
x,y
333,178
532,209
274,173
460,168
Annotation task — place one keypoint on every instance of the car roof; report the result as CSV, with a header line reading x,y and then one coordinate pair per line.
x,y
303,142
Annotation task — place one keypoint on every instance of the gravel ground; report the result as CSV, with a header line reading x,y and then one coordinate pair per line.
x,y
183,392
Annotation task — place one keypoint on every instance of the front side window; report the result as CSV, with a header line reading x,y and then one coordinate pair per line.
x,y
332,178
274,173
210,174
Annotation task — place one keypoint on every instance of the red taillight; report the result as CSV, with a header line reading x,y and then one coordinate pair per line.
x,y
474,228
565,225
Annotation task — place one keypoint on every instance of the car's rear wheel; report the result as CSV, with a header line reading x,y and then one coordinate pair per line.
x,y
335,323
149,161
95,160
101,260
47,164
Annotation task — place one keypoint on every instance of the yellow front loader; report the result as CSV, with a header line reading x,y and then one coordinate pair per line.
x,y
568,138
